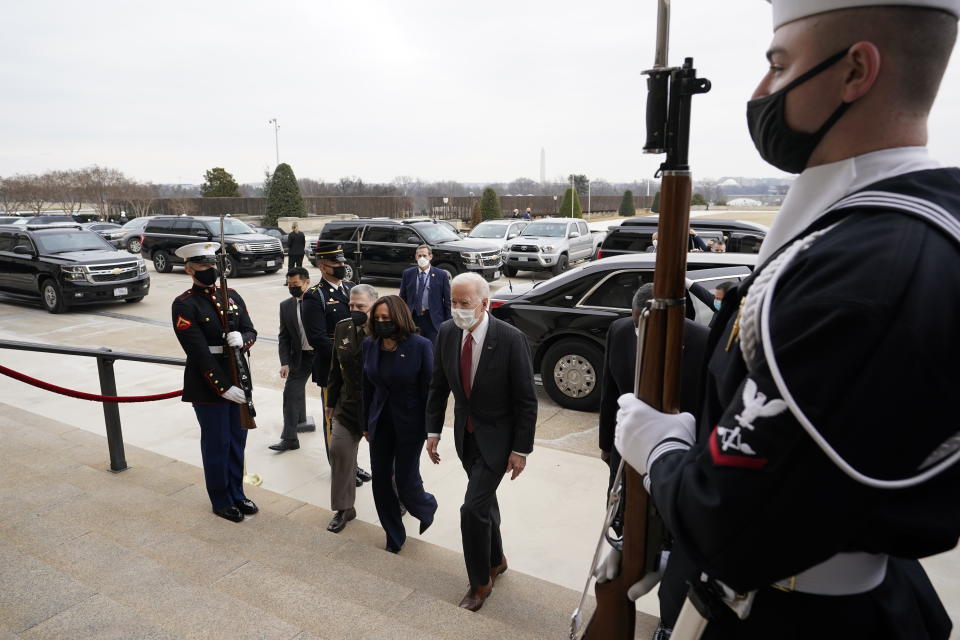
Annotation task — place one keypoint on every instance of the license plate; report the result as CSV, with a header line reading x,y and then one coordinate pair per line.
x,y
524,259
120,291
270,263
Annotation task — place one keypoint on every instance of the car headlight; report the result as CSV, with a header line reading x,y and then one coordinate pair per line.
x,y
141,266
74,273
547,248
239,246
469,256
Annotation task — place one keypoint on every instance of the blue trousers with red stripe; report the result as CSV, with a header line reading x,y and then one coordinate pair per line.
x,y
222,441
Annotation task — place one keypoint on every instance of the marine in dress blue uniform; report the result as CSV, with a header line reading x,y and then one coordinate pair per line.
x,y
198,325
822,463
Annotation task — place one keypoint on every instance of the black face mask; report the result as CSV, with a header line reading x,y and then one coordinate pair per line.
x,y
384,328
340,272
206,277
296,292
777,143
359,318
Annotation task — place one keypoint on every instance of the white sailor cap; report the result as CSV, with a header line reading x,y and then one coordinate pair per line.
x,y
785,11
198,251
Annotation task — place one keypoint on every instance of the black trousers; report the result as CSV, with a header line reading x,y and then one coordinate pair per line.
x,y
295,396
425,324
480,515
392,457
294,260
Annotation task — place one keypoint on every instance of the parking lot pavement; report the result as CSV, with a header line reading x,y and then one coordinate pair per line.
x,y
145,327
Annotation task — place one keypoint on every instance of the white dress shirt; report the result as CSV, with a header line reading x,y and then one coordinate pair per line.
x,y
304,343
479,336
817,188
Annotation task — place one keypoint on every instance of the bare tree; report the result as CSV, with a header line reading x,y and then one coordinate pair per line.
x,y
37,191
141,198
101,185
183,206
67,190
12,194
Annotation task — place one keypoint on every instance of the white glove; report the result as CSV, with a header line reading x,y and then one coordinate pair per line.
x,y
644,434
235,339
608,568
234,394
649,581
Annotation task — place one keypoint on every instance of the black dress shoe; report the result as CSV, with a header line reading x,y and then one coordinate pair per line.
x,y
340,520
359,482
247,507
392,549
285,445
231,513
363,476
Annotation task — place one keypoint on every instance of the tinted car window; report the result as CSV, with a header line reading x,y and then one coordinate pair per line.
x,y
6,242
616,292
584,230
704,313
331,232
434,233
380,234
197,229
546,229
163,225
635,242
182,226
51,243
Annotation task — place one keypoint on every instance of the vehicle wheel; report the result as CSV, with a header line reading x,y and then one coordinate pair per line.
x,y
571,372
230,267
134,245
562,262
52,296
510,272
131,300
161,262
449,268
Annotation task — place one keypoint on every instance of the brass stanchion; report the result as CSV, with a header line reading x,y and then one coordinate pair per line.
x,y
251,478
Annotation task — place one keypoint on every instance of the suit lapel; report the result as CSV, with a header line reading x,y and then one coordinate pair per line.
x,y
489,344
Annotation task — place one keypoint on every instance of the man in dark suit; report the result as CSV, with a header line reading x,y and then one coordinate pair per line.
x,y
296,360
426,290
296,245
486,364
619,366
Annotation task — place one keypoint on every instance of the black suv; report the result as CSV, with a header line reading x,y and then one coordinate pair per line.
x,y
380,247
635,235
65,265
566,318
247,250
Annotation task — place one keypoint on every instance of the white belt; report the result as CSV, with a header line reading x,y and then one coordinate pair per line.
x,y
217,349
844,574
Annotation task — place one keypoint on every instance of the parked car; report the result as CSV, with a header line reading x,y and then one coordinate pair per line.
x,y
384,248
108,231
498,233
65,265
566,318
131,232
45,219
635,235
275,232
246,249
552,244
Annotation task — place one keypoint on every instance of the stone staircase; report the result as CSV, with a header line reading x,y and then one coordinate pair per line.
x,y
89,554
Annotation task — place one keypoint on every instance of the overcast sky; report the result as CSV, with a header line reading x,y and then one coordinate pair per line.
x,y
441,90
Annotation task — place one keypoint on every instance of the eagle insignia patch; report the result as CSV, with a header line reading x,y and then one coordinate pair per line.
x,y
182,323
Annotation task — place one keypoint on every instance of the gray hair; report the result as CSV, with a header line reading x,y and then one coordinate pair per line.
x,y
642,295
480,286
365,290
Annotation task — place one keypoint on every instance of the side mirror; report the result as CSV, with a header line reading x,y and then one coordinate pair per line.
x,y
413,240
23,249
574,234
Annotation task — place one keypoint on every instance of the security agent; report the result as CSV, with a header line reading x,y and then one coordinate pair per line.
x,y
296,360
323,306
198,325
823,461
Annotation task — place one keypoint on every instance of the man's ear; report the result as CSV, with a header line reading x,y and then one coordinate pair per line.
x,y
863,66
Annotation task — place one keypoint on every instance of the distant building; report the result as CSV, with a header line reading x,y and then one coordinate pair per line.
x,y
744,202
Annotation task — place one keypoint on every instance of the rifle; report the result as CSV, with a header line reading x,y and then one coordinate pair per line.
x,y
237,367
660,340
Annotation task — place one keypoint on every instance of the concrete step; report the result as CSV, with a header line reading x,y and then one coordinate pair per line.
x,y
140,552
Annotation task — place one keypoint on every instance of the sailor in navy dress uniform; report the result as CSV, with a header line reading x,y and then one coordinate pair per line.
x,y
198,326
323,306
823,461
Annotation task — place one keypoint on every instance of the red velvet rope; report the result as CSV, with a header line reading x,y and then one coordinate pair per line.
x,y
85,396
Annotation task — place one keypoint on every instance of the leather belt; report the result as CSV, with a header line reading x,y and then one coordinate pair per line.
x,y
843,574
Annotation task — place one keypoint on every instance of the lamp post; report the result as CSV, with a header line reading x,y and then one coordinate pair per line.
x,y
446,209
588,197
555,205
276,136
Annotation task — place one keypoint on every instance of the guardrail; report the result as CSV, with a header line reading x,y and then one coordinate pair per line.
x,y
108,384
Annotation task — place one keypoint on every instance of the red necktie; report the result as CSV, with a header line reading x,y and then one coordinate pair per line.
x,y
466,364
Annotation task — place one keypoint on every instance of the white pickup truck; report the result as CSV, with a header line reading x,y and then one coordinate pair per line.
x,y
551,244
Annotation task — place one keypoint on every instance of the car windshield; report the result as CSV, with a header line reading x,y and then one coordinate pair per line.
x,y
546,229
230,227
70,240
434,233
484,230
